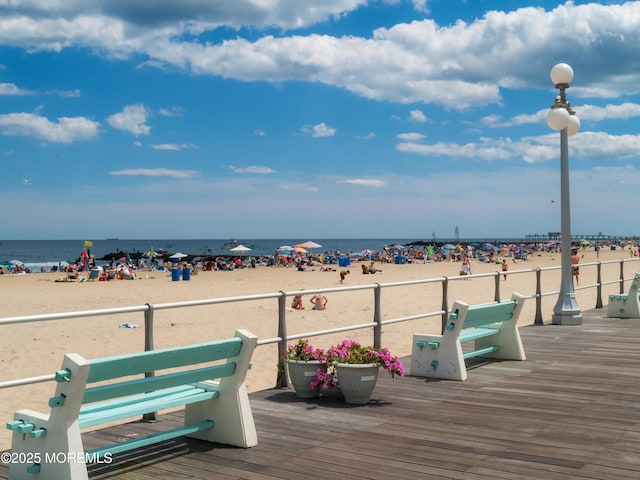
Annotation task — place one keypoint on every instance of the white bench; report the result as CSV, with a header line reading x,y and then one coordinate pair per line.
x,y
103,390
493,327
626,306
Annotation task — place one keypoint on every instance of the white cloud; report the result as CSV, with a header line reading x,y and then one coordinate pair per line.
x,y
252,169
368,136
11,89
319,130
66,130
298,187
172,146
457,66
411,136
171,112
534,149
417,116
132,119
155,172
365,182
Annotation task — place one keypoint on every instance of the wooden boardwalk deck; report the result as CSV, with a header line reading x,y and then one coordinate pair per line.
x,y
571,411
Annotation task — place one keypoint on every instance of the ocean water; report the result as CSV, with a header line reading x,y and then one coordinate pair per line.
x,y
36,254
39,254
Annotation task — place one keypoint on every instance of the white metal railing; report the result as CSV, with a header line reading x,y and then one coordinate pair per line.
x,y
282,338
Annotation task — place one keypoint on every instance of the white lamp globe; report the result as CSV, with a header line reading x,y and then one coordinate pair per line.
x,y
573,126
558,118
561,73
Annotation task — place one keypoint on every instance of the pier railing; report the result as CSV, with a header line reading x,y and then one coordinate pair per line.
x,y
376,323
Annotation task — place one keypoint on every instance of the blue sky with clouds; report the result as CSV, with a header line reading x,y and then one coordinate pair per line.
x,y
314,118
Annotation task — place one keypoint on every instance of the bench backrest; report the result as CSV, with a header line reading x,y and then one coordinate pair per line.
x,y
465,316
83,381
480,315
635,284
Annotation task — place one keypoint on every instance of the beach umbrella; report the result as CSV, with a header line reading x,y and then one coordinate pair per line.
x,y
178,256
309,244
285,248
449,246
16,262
299,249
240,248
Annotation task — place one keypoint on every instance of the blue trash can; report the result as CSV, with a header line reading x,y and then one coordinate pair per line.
x,y
175,275
186,273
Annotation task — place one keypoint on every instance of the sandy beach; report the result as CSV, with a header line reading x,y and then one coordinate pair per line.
x,y
37,348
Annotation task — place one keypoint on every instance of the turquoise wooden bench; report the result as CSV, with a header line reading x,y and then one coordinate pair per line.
x,y
492,327
626,306
103,390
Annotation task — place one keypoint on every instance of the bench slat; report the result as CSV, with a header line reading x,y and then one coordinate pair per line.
x,y
147,406
132,444
119,366
478,315
142,385
481,351
479,332
97,407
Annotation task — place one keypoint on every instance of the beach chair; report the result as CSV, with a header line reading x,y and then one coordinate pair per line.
x,y
93,274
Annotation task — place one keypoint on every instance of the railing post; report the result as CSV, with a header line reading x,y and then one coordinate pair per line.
x,y
281,381
599,288
148,328
445,304
621,277
377,316
538,319
496,296
148,345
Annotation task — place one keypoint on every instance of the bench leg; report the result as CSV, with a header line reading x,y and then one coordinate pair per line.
x,y
445,361
57,455
508,340
232,417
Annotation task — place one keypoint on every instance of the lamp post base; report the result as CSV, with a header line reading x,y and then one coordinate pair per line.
x,y
567,311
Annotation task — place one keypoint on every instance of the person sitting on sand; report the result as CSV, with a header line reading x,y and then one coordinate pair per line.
x,y
373,269
296,304
319,301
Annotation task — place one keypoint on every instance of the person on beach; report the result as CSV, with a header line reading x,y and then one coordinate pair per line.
x,y
505,267
466,265
575,260
373,269
296,304
343,275
319,301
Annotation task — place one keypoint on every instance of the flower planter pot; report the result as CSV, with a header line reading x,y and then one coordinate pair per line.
x,y
301,374
357,381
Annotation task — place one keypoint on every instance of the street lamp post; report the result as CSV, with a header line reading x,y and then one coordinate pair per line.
x,y
561,117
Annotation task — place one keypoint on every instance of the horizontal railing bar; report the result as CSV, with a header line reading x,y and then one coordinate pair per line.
x,y
27,381
67,315
330,331
412,317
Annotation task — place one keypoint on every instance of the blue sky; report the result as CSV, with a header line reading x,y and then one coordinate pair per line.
x,y
313,118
